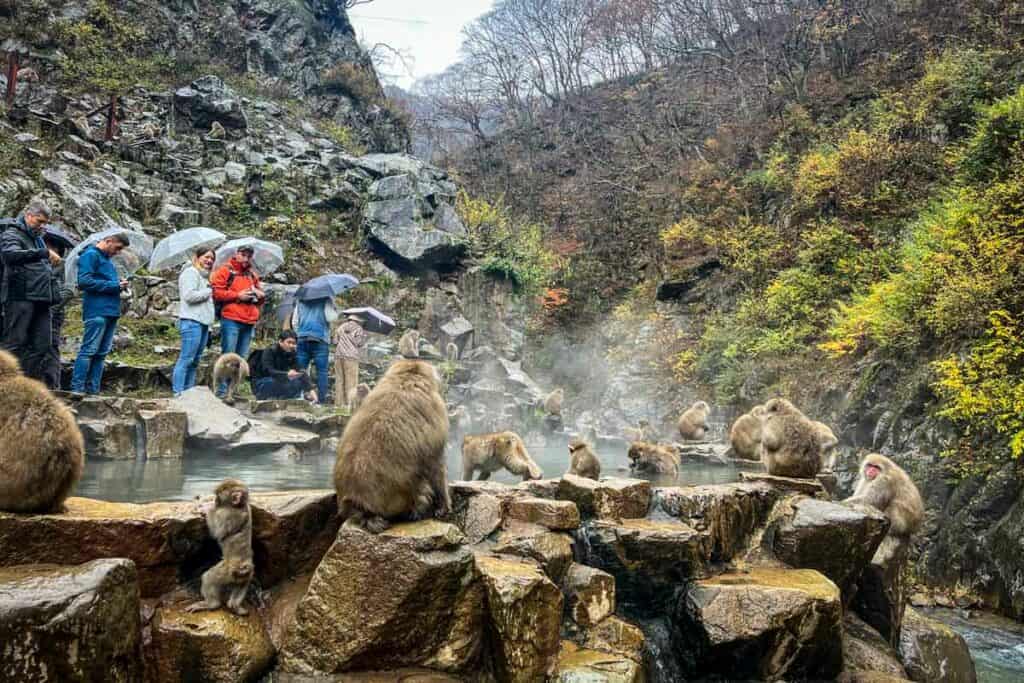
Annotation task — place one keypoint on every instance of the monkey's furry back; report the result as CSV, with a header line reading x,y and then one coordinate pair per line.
x,y
42,453
393,447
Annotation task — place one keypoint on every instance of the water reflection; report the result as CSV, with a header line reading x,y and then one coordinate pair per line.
x,y
136,481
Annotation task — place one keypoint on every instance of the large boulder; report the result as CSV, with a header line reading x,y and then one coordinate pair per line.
x,y
477,513
163,433
214,646
932,651
881,594
608,498
729,513
837,540
576,665
208,99
524,613
616,636
85,196
762,624
866,653
80,623
291,532
649,559
165,540
589,594
211,422
410,596
807,487
552,550
558,515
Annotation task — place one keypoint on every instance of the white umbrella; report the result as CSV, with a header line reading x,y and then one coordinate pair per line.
x,y
266,256
131,258
178,248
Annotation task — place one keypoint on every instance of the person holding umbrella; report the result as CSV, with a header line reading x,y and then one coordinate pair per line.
x,y
312,322
237,287
59,243
195,316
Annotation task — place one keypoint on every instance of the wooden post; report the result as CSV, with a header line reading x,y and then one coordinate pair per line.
x,y
111,119
12,76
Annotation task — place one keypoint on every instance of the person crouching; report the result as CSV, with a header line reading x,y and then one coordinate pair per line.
x,y
274,371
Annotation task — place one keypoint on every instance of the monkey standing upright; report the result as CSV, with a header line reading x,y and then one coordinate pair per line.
x,y
230,368
885,486
42,453
230,524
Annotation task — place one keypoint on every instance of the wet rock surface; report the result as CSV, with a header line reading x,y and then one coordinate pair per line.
x,y
881,594
866,653
932,651
589,594
606,499
552,550
578,665
730,513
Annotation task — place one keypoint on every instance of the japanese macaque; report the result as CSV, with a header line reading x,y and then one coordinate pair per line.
x,y
452,352
230,578
583,461
884,485
489,453
642,432
553,402
230,368
41,449
693,424
460,423
358,396
745,434
649,457
391,463
828,441
790,444
409,344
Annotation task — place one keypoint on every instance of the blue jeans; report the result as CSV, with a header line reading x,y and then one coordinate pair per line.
x,y
235,337
320,353
268,388
97,341
193,342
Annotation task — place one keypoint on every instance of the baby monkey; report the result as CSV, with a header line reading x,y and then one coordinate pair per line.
x,y
230,524
226,582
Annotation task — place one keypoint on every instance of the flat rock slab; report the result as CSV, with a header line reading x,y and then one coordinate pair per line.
x,y
291,532
408,597
837,540
160,538
524,614
808,487
576,665
649,559
214,646
764,624
729,513
478,515
79,623
932,651
559,515
608,498
552,550
589,594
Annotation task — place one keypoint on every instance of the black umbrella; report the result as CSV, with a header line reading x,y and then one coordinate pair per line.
x,y
326,287
373,320
55,234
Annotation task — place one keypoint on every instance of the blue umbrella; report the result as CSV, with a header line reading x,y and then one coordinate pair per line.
x,y
373,320
326,287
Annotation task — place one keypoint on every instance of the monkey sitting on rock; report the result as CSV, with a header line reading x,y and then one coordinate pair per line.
x,y
391,463
583,461
409,344
655,458
230,368
230,524
885,486
489,453
359,395
745,434
790,443
693,424
42,453
828,441
553,402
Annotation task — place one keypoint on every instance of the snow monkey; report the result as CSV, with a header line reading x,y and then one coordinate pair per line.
x,y
359,395
884,485
230,524
452,352
391,463
553,402
790,444
583,461
745,434
492,452
409,344
230,368
649,457
642,431
828,442
693,424
41,449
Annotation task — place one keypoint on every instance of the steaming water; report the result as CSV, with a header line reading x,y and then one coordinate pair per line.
x,y
997,644
138,481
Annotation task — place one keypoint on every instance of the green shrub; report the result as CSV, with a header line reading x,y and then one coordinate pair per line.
x,y
994,147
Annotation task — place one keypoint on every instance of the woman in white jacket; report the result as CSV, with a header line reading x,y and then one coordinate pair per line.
x,y
195,316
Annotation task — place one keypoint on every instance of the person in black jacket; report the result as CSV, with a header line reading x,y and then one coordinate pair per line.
x,y
274,371
28,288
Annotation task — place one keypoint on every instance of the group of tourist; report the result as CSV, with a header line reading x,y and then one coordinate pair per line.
x,y
33,294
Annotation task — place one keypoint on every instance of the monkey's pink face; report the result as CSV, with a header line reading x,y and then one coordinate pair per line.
x,y
872,471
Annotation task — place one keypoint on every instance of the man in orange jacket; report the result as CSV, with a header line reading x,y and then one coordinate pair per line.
x,y
239,293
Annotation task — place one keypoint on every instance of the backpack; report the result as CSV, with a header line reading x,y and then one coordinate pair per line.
x,y
4,224
218,306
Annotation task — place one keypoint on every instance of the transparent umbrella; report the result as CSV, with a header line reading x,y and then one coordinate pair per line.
x,y
266,257
178,248
131,258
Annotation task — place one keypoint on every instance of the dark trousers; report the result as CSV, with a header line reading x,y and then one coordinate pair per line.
x,y
269,388
51,360
27,334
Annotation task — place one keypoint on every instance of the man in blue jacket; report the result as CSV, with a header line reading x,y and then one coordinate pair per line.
x,y
101,307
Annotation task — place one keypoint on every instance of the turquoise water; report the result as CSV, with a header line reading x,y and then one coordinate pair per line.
x,y
997,644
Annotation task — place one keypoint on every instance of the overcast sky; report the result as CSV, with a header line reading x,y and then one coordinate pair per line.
x,y
430,30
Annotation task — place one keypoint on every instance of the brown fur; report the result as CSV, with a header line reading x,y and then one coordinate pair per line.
x,y
409,344
583,461
358,396
693,424
828,441
452,352
893,492
745,434
41,448
642,432
391,461
790,445
649,457
553,402
230,521
232,368
230,577
492,452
